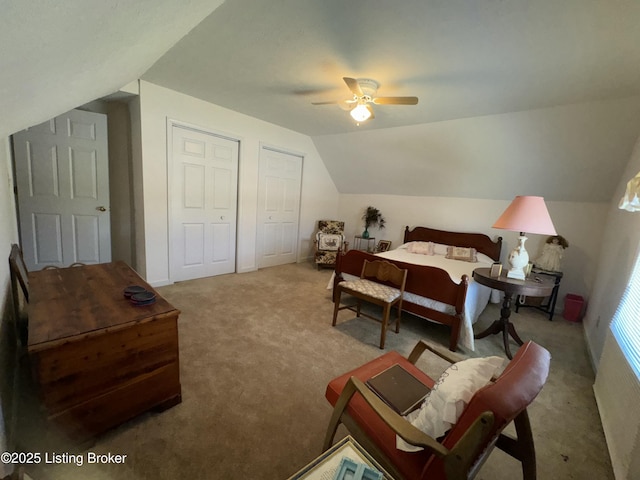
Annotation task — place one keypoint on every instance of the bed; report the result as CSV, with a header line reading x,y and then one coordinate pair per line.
x,y
439,289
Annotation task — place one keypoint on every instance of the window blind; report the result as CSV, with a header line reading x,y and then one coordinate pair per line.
x,y
626,321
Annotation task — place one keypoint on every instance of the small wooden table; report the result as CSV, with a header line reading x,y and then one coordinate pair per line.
x,y
99,360
533,286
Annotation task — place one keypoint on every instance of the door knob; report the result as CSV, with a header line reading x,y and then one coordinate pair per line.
x,y
101,209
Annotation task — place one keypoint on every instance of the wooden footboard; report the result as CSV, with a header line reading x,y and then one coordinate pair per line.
x,y
429,282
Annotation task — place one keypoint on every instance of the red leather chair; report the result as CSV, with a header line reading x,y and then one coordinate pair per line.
x,y
461,452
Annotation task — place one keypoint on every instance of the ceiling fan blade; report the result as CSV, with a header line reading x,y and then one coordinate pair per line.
x,y
353,85
370,108
324,103
395,100
347,105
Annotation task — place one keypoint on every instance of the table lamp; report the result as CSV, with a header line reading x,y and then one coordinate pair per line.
x,y
525,214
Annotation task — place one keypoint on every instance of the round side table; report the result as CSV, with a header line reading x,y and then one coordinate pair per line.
x,y
533,286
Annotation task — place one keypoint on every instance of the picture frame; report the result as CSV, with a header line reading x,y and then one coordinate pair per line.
x,y
383,246
496,270
527,269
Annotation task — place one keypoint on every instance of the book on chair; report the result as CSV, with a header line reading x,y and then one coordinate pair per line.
x,y
399,389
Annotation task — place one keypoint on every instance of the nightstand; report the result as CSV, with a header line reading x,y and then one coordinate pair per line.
x,y
364,244
550,305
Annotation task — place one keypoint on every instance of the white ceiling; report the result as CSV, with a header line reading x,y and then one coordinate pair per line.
x,y
271,59
570,70
573,65
57,55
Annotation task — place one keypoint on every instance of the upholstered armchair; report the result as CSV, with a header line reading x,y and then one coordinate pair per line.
x,y
329,242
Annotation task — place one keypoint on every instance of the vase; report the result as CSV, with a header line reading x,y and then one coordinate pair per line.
x,y
365,234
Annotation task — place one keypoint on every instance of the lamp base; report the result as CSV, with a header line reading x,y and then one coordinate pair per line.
x,y
518,260
516,273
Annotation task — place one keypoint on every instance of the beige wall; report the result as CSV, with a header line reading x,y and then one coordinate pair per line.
x,y
137,197
157,105
120,187
620,247
8,235
571,153
8,222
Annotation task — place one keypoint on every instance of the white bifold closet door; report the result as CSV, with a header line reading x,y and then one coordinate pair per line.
x,y
203,204
278,207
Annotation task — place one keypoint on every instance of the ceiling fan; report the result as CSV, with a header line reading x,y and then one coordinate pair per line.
x,y
364,91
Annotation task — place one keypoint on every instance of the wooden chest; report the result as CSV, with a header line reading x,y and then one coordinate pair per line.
x,y
99,360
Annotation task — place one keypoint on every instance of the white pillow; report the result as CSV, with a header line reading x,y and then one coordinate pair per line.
x,y
440,249
437,248
449,397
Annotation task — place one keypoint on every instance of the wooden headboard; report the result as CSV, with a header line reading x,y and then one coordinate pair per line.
x,y
481,242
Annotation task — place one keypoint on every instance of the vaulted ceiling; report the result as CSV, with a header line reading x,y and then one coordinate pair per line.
x,y
271,59
55,56
515,96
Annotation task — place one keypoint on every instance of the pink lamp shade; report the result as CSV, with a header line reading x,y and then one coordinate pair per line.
x,y
526,214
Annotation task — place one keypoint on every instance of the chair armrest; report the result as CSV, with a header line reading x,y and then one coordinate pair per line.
x,y
421,346
457,461
396,422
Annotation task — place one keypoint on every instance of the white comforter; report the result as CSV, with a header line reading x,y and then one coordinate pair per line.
x,y
478,296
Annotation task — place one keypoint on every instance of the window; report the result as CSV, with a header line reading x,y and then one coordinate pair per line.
x,y
626,321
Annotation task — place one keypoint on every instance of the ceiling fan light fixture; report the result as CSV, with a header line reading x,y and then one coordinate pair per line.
x,y
360,113
364,91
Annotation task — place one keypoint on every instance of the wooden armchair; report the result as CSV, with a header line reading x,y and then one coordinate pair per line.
x,y
381,283
329,242
461,452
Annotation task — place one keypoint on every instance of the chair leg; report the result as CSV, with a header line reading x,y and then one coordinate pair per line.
x,y
398,319
358,305
528,450
521,447
336,305
385,323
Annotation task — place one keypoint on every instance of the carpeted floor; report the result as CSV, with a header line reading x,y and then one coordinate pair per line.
x,y
256,352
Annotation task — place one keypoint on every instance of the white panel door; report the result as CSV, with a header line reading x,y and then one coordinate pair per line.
x,y
62,175
278,207
203,206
